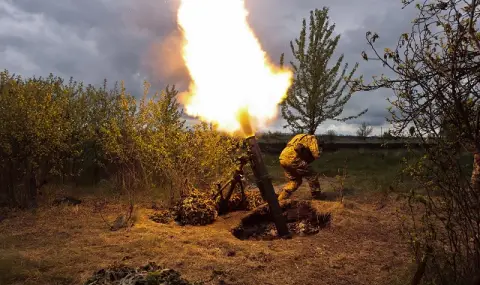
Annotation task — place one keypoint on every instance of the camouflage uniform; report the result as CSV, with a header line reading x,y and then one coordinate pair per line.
x,y
297,166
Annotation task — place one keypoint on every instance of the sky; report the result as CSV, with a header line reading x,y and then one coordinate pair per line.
x,y
137,40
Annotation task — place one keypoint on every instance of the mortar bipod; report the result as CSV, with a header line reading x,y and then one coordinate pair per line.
x,y
236,180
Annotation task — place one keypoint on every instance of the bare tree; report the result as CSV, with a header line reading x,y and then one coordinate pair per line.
x,y
364,131
437,87
437,79
331,135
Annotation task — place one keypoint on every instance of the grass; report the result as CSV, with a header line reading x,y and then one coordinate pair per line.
x,y
65,245
367,170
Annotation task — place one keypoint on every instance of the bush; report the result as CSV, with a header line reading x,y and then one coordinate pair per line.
x,y
52,131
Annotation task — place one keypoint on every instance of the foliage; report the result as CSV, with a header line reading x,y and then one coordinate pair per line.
x,y
252,200
51,130
437,88
445,218
316,93
35,133
364,130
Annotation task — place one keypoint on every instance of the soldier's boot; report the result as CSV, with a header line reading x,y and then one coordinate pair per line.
x,y
288,190
284,195
315,189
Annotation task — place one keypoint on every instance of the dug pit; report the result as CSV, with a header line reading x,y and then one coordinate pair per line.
x,y
302,219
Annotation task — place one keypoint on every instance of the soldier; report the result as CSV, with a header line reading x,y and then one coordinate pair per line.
x,y
295,159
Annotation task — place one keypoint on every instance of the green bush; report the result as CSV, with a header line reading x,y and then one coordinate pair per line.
x,y
52,131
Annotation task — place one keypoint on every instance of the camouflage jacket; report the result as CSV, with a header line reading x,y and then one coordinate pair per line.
x,y
290,156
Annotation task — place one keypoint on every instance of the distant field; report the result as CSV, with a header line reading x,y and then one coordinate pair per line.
x,y
274,143
367,170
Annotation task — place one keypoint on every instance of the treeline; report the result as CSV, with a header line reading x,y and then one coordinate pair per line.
x,y
57,131
277,147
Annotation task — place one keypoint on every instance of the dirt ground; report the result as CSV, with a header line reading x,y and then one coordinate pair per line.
x,y
67,244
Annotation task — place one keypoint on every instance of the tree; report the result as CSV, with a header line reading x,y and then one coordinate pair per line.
x,y
437,87
35,132
387,135
316,94
331,135
53,131
364,130
440,73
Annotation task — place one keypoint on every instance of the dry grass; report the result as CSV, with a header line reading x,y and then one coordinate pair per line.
x,y
65,245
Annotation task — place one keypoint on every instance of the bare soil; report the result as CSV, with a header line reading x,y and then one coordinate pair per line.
x,y
67,244
301,217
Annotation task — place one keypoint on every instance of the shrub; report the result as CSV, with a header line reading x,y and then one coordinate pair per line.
x,y
55,131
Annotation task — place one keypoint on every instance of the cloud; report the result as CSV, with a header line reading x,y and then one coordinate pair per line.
x,y
136,40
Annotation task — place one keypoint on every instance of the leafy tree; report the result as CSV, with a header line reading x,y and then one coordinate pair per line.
x,y
437,87
364,131
34,134
316,94
51,129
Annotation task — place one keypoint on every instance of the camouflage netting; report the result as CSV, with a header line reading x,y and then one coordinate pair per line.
x,y
150,274
253,199
199,209
302,219
162,216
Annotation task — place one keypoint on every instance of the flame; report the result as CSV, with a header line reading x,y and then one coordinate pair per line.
x,y
229,70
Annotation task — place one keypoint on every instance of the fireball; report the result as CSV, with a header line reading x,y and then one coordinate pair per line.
x,y
230,73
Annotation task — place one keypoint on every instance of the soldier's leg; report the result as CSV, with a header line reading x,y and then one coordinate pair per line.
x,y
312,177
294,182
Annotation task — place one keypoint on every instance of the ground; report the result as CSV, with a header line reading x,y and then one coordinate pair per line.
x,y
67,244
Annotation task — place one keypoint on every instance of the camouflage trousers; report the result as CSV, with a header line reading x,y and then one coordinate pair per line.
x,y
295,175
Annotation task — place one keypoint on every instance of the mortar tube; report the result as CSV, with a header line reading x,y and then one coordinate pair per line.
x,y
263,179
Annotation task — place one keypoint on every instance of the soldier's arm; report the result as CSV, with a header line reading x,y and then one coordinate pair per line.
x,y
314,147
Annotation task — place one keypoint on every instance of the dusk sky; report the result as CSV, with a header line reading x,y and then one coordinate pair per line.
x,y
136,40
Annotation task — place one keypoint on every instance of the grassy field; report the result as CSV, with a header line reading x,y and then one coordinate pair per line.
x,y
65,244
366,171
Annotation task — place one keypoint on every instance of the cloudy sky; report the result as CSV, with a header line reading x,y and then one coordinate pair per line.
x,y
136,40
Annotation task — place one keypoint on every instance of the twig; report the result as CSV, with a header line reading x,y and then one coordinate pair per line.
x,y
104,220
